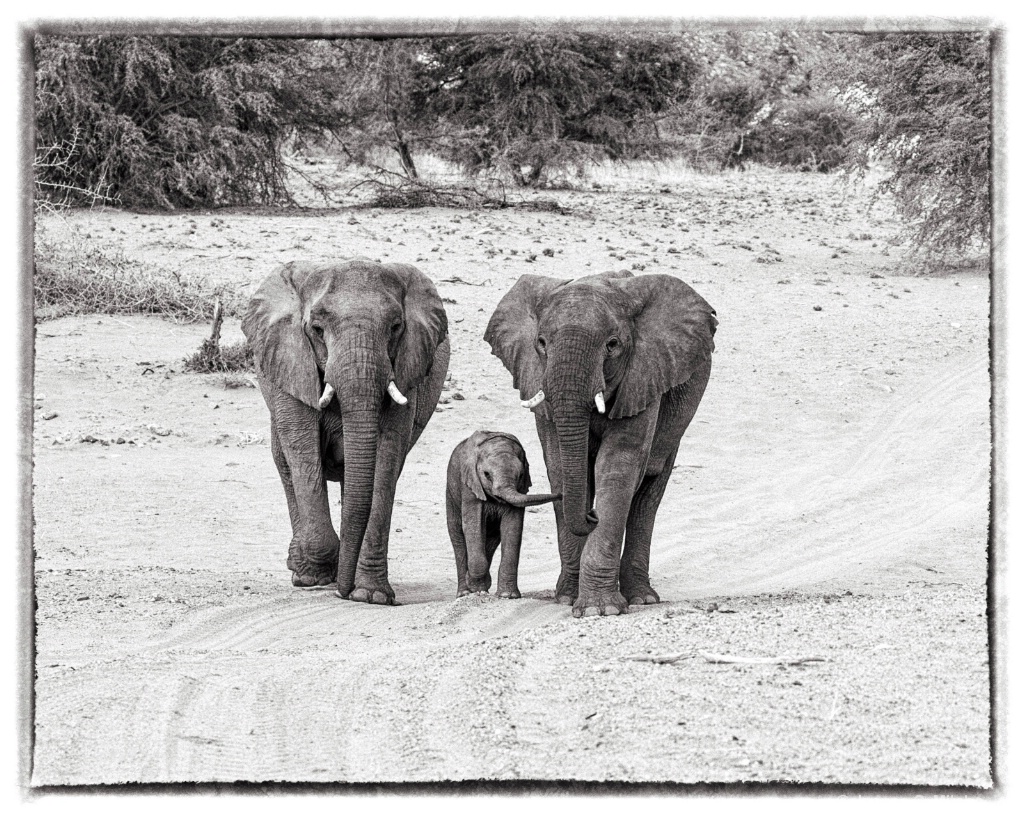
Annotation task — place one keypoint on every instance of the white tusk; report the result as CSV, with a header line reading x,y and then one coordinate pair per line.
x,y
599,402
396,396
327,397
534,401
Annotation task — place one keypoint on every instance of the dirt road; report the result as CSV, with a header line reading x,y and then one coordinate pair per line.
x,y
830,499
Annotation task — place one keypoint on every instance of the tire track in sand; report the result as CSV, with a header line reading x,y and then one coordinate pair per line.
x,y
921,472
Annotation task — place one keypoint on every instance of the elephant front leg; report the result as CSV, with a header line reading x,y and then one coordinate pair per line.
x,y
511,541
618,470
371,583
313,550
457,535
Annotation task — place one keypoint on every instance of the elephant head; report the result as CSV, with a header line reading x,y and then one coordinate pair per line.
x,y
352,337
611,344
496,466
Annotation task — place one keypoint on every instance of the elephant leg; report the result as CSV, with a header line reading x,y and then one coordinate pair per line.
x,y
678,407
511,540
634,575
370,584
313,551
453,510
570,546
618,471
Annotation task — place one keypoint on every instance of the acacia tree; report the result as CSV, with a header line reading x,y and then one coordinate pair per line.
x,y
928,101
530,103
375,85
175,121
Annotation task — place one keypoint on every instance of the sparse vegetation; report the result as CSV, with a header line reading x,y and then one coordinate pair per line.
x,y
214,357
78,275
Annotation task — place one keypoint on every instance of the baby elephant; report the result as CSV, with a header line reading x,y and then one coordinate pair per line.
x,y
488,476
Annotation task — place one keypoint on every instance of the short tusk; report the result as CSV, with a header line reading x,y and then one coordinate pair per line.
x,y
327,397
396,396
599,402
534,401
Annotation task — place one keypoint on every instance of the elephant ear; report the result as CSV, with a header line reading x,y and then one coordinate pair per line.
x,y
673,334
426,326
273,328
470,476
512,333
525,481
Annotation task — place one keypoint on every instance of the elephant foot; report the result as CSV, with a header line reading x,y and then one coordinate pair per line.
x,y
509,594
371,590
640,595
371,596
306,573
601,604
567,588
307,580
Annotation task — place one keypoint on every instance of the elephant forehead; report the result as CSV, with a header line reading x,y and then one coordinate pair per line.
x,y
351,276
584,306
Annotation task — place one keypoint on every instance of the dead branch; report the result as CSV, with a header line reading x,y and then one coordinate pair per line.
x,y
658,659
729,658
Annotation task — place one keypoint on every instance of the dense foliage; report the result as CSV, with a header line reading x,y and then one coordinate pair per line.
x,y
203,121
529,103
173,121
928,100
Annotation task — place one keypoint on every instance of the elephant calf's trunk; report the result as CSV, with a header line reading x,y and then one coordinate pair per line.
x,y
519,499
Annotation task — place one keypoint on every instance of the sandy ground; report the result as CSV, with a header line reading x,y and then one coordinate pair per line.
x,y
830,500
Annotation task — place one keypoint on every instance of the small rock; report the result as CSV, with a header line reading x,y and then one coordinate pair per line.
x,y
49,416
458,396
817,307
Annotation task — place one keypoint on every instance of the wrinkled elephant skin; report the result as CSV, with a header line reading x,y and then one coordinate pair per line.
x,y
485,501
613,367
350,358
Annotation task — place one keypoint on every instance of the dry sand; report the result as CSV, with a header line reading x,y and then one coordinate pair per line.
x,y
830,499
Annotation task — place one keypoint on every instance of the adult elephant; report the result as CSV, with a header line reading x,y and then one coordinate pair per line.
x,y
350,357
613,367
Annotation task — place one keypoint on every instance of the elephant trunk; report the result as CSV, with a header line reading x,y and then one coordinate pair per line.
x,y
573,440
515,498
572,405
359,392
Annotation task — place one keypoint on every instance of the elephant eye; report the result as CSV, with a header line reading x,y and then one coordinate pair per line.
x,y
613,344
542,344
318,330
396,328
487,474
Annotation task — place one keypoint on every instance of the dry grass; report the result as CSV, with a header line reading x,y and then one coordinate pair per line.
x,y
75,274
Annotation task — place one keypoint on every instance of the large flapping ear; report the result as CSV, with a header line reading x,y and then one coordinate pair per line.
x,y
673,334
426,326
525,481
468,467
512,333
273,328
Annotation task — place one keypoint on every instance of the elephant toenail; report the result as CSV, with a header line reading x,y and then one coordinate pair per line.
x,y
636,601
380,597
591,611
611,610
